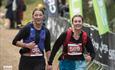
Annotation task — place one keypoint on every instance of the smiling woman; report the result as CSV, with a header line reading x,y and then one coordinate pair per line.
x,y
73,40
36,42
77,22
38,16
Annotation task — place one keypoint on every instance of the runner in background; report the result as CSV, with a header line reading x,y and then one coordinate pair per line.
x,y
14,13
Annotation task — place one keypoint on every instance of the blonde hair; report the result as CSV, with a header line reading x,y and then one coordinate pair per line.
x,y
41,6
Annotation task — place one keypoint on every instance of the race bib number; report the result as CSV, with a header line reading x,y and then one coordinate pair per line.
x,y
36,51
74,49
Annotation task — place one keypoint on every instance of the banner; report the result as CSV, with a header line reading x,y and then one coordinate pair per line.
x,y
75,7
101,16
104,46
51,7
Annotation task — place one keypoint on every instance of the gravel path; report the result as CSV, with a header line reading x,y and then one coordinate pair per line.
x,y
9,56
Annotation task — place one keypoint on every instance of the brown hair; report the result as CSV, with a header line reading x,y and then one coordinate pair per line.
x,y
77,16
38,10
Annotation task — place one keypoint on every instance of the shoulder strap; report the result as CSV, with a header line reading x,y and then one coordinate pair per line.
x,y
84,38
42,36
42,39
68,36
28,33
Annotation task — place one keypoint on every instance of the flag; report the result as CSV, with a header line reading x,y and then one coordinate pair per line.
x,y
51,7
101,16
75,7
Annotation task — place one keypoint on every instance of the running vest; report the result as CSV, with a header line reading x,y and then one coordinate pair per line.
x,y
32,36
68,37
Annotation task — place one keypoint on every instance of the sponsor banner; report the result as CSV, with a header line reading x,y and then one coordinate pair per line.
x,y
75,7
104,46
51,7
101,16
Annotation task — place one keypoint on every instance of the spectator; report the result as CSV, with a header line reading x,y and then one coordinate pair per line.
x,y
14,13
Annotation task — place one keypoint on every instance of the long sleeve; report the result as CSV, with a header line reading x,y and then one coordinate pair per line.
x,y
56,47
23,33
90,48
47,41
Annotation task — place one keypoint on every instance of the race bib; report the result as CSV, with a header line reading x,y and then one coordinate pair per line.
x,y
74,49
36,51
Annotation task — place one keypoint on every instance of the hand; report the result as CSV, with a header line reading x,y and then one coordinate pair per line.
x,y
88,58
30,45
49,67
